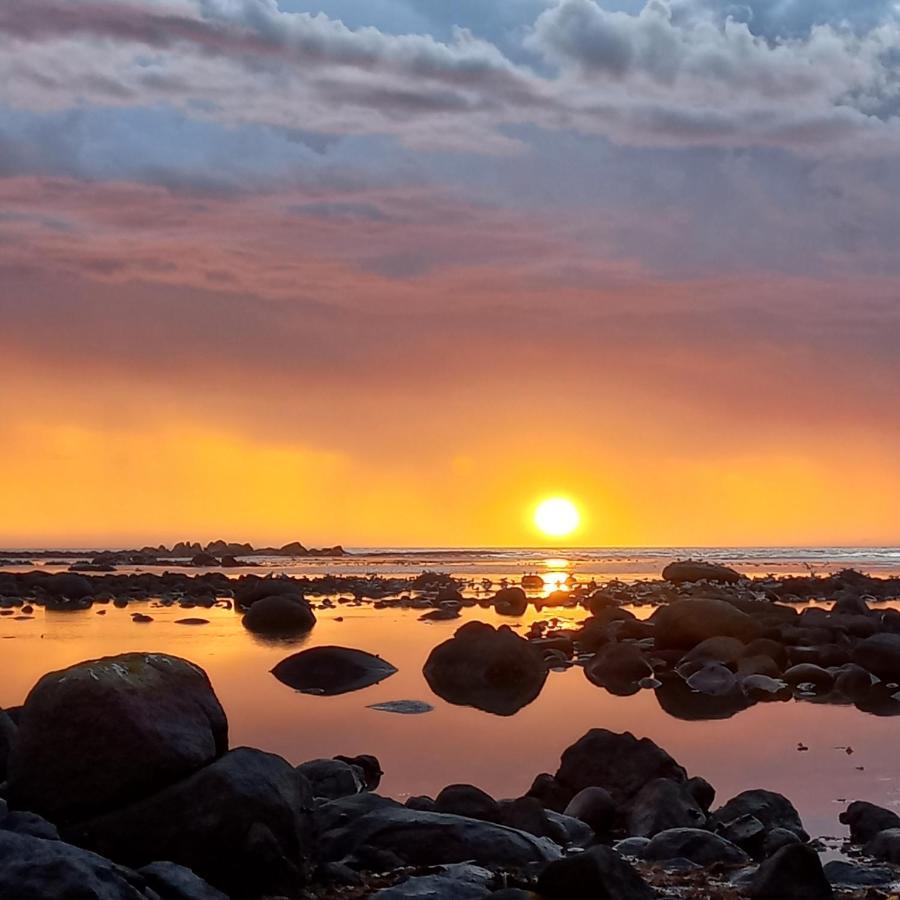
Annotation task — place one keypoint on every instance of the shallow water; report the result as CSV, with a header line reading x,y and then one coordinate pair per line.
x,y
422,753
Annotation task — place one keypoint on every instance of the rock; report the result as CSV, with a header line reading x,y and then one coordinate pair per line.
x,y
767,647
174,882
853,681
617,666
678,699
702,791
724,650
848,874
661,805
8,733
467,800
807,673
204,560
699,846
244,823
513,894
687,571
620,763
340,813
885,845
597,873
368,765
880,654
440,615
686,623
430,838
71,587
252,588
36,869
595,807
793,873
279,615
761,687
634,847
772,809
510,601
403,707
852,604
456,882
714,680
30,824
867,819
104,733
332,670
492,670
550,793
749,834
331,778
576,833
778,838
527,814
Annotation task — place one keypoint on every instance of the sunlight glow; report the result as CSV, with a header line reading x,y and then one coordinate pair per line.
x,y
557,517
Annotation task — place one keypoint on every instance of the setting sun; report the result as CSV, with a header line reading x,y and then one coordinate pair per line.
x,y
557,517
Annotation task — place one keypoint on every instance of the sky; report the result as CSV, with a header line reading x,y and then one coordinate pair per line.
x,y
390,272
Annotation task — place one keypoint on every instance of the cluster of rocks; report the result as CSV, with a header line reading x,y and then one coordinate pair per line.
x,y
119,784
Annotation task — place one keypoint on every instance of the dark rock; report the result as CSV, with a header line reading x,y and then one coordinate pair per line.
x,y
576,833
332,670
103,733
595,807
403,707
30,824
368,765
724,650
851,603
597,873
421,803
251,589
715,680
72,587
174,882
690,570
885,845
702,791
512,894
767,647
806,673
867,819
35,869
618,665
467,800
510,601
848,874
748,833
677,698
456,882
661,805
635,847
492,670
772,809
279,615
853,681
880,654
527,814
431,838
332,778
793,873
686,623
620,763
699,846
8,732
550,793
205,560
249,826
778,838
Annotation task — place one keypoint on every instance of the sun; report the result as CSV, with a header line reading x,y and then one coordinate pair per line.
x,y
557,517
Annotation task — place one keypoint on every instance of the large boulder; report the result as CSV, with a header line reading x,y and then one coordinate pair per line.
x,y
420,838
699,846
244,823
663,804
467,800
772,809
685,623
104,733
64,585
880,655
687,571
793,873
867,819
597,873
620,763
332,670
595,807
510,601
491,669
617,667
282,614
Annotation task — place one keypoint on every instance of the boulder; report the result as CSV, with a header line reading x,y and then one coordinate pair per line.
x,y
527,814
847,874
702,791
885,845
331,778
8,732
772,809
243,823
634,847
724,650
699,846
104,733
510,601
368,765
661,805
64,585
597,873
867,819
678,699
880,655
36,869
174,882
778,838
429,839
30,824
620,763
853,681
467,800
793,873
685,623
550,793
617,666
595,807
456,882
491,669
252,588
279,615
332,670
807,673
715,680
687,571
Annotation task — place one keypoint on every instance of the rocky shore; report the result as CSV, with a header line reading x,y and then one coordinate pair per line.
x,y
119,783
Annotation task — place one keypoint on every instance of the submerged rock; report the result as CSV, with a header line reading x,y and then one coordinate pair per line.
x,y
103,733
491,669
332,670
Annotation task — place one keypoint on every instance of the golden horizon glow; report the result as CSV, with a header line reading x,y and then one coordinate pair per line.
x,y
557,517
